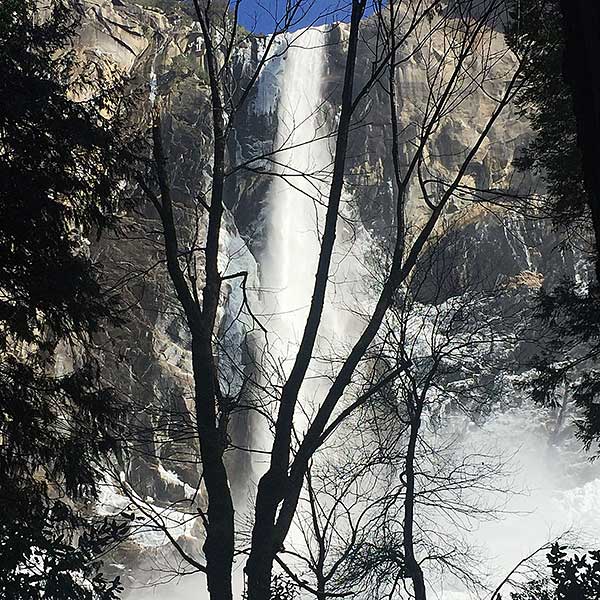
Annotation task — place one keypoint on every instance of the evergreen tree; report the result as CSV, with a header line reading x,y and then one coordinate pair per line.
x,y
570,317
535,33
581,23
60,168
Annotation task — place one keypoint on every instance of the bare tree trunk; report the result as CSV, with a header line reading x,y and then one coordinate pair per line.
x,y
211,412
219,543
321,593
219,522
413,567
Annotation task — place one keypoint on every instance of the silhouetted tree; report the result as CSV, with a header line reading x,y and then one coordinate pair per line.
x,y
573,577
581,22
568,312
547,102
198,278
59,173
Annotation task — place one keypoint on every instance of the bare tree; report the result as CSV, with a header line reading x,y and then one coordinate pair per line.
x,y
383,487
470,55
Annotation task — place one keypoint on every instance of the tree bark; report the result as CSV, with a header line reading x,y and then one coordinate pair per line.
x,y
219,543
211,414
412,565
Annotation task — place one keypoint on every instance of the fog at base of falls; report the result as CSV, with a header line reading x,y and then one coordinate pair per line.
x,y
553,491
556,490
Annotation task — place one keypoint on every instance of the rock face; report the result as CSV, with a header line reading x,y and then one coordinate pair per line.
x,y
149,358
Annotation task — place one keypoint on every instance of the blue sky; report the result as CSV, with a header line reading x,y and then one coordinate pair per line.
x,y
260,15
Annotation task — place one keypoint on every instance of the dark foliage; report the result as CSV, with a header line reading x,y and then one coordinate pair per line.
x,y
571,317
60,168
283,589
581,23
45,561
573,577
570,356
546,101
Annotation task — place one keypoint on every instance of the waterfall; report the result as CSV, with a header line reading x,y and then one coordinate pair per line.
x,y
295,203
295,207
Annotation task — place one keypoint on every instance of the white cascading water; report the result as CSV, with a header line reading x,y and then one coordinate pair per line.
x,y
295,208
